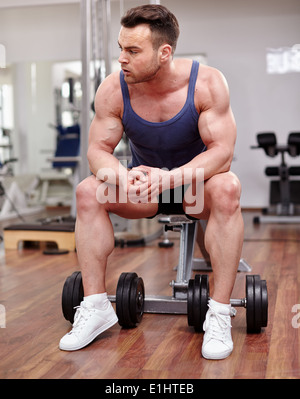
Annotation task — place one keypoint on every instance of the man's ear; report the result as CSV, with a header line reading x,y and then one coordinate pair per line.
x,y
165,52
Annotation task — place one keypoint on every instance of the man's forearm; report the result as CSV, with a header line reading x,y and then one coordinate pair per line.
x,y
211,162
106,167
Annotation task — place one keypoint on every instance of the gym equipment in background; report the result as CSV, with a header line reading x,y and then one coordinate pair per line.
x,y
58,230
284,191
67,155
15,193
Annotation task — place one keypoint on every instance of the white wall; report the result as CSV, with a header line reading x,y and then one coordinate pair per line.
x,y
233,33
41,33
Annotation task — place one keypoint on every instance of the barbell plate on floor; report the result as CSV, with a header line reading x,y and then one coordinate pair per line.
x,y
196,304
127,321
66,308
264,298
250,304
71,295
198,295
204,286
137,295
77,292
257,304
190,303
129,308
119,296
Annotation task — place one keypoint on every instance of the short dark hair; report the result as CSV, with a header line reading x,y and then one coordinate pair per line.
x,y
163,24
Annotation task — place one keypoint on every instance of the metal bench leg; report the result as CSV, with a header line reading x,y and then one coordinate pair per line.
x,y
184,268
177,303
203,264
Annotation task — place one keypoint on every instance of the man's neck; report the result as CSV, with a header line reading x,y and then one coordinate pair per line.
x,y
165,81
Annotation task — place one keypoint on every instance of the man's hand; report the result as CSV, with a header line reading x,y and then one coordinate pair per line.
x,y
146,183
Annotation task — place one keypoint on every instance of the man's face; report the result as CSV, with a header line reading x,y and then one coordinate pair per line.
x,y
139,61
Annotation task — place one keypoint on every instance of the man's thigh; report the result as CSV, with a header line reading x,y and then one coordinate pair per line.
x,y
120,203
198,200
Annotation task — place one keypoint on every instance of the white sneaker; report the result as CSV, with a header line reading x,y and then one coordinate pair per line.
x,y
217,340
89,322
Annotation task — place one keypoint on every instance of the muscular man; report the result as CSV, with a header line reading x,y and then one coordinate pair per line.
x,y
177,116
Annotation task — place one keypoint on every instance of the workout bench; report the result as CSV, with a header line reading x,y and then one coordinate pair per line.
x,y
189,296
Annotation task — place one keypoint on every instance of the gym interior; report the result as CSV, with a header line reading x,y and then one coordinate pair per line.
x,y
53,56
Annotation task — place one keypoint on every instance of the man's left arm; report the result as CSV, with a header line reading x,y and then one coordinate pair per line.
x,y
217,128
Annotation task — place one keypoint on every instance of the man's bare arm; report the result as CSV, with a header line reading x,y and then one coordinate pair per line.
x,y
106,129
217,129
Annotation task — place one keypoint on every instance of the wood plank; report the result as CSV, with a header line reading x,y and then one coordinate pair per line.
x,y
284,354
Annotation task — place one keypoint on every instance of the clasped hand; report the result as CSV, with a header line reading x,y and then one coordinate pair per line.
x,y
145,183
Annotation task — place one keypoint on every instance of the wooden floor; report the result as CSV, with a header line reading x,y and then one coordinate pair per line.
x,y
162,346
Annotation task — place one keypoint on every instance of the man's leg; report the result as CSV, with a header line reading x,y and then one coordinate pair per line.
x,y
224,233
223,242
94,243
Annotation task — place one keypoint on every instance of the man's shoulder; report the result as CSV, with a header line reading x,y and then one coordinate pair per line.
x,y
211,87
210,74
109,95
206,73
211,78
110,87
112,81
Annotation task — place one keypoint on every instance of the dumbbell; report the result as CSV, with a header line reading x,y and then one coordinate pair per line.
x,y
255,302
129,298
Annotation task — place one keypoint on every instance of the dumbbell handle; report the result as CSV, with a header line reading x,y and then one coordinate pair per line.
x,y
239,302
242,303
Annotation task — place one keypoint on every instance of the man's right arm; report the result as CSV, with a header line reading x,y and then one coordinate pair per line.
x,y
106,129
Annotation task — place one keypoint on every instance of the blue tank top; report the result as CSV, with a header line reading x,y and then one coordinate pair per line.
x,y
167,144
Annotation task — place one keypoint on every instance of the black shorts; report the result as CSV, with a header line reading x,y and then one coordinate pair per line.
x,y
170,202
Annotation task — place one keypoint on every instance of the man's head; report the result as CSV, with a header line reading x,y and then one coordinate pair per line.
x,y
162,23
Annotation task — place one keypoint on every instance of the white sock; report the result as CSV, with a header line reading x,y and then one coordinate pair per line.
x,y
218,306
100,301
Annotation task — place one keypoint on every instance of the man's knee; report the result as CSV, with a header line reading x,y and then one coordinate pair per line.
x,y
86,195
225,193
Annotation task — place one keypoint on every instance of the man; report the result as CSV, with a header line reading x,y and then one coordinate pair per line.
x,y
177,116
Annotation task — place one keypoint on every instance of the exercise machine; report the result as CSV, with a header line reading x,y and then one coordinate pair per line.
x,y
15,193
189,296
284,192
67,156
